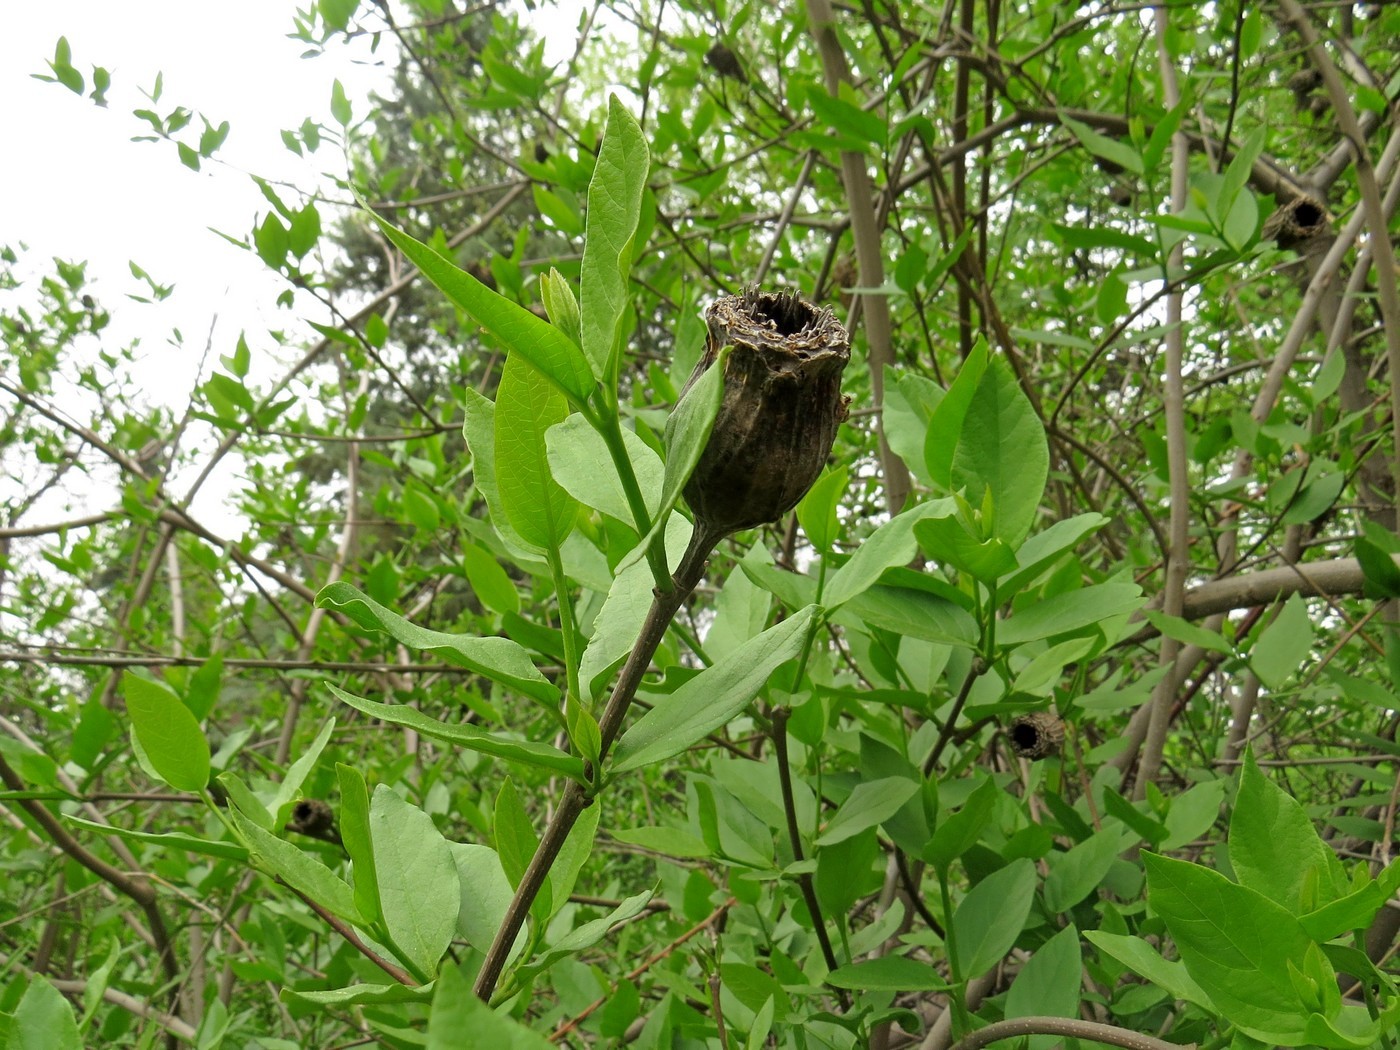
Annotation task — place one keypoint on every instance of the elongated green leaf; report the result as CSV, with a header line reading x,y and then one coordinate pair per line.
x,y
711,698
1002,452
916,614
467,736
458,1018
1235,942
585,936
1070,611
486,894
891,544
1077,873
297,772
43,1019
515,836
888,973
956,834
946,421
1283,645
168,733
614,205
868,805
539,509
552,352
418,889
298,870
992,915
817,510
1275,849
1143,960
579,460
167,840
479,430
1048,985
356,837
577,848
499,659
362,995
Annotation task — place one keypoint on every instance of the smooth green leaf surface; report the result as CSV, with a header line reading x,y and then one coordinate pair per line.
x,y
465,735
418,889
614,206
579,461
458,1015
888,973
357,838
499,659
711,698
869,804
552,353
1048,985
298,869
539,509
992,915
891,544
43,1019
168,732
1283,644
167,840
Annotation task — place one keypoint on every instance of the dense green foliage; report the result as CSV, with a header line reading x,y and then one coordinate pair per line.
x,y
1061,709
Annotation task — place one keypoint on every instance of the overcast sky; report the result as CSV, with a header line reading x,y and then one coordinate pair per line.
x,y
75,185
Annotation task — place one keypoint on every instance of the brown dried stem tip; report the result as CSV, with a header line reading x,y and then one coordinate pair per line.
x,y
781,408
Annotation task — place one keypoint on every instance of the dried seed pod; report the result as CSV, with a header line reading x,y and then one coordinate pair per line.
x,y
1037,735
781,407
1298,224
312,816
726,63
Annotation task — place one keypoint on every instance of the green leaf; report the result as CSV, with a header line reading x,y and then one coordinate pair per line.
x,y
992,915
711,698
848,118
817,510
1193,813
340,105
552,352
516,841
457,1016
1378,568
916,614
1001,451
687,432
362,995
539,509
468,736
418,890
577,848
499,659
958,833
167,840
1188,633
891,544
1235,942
945,424
271,241
43,1019
479,430
586,936
614,205
1038,678
298,870
1070,611
168,733
1274,848
558,299
1142,959
486,894
888,973
297,772
1048,985
871,803
581,463
1283,645
671,842
491,583
1077,873
356,836
1111,150
948,542
421,509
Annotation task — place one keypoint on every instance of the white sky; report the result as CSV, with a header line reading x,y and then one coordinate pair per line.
x,y
77,187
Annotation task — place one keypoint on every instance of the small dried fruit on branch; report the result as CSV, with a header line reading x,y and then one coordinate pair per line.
x,y
781,407
726,63
1036,735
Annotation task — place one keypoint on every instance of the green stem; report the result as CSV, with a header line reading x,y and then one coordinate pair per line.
x,y
610,428
962,1021
567,627
576,798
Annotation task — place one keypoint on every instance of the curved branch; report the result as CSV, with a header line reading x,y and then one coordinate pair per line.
x,y
1071,1027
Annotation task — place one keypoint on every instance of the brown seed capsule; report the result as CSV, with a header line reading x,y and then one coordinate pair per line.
x,y
781,407
726,63
1036,735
